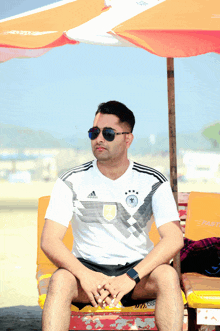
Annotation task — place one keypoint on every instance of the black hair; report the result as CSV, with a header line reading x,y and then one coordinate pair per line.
x,y
118,109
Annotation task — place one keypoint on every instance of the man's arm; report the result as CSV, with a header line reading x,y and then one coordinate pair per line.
x,y
171,242
54,248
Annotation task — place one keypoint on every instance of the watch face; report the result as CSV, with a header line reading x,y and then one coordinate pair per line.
x,y
132,273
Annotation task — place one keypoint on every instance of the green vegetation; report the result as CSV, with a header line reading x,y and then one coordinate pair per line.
x,y
212,134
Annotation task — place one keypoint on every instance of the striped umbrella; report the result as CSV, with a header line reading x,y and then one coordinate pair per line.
x,y
167,28
175,28
35,32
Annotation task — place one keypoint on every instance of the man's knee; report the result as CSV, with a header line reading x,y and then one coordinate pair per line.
x,y
165,277
62,282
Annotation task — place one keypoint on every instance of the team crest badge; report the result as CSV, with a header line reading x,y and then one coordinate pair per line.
x,y
132,199
109,212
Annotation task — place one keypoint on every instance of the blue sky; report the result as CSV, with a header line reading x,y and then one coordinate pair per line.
x,y
59,91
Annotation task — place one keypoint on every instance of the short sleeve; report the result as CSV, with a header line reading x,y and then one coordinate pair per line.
x,y
60,207
164,205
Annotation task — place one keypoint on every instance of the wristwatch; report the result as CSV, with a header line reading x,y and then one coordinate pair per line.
x,y
134,275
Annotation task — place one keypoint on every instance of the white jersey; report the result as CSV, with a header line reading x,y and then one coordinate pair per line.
x,y
111,218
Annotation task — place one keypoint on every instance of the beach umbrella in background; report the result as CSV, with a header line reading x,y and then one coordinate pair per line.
x,y
33,33
166,28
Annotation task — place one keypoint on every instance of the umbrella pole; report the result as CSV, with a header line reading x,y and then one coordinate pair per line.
x,y
172,143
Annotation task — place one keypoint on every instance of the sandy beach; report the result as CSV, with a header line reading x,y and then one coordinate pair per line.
x,y
19,308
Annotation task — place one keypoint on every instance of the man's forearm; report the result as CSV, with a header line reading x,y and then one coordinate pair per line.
x,y
162,253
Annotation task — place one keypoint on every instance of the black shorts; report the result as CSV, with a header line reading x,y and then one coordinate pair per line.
x,y
112,270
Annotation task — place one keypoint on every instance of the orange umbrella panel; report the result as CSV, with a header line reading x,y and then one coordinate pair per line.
x,y
45,27
175,28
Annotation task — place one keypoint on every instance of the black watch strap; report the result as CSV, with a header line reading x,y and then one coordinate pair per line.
x,y
134,275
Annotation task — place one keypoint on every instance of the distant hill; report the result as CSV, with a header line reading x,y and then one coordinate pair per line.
x,y
192,141
12,136
83,144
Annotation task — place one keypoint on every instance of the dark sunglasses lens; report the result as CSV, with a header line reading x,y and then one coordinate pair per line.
x,y
108,134
93,133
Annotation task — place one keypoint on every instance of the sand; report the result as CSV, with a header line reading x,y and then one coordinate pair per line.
x,y
19,308
20,318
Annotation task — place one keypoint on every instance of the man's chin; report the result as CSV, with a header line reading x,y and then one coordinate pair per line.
x,y
101,156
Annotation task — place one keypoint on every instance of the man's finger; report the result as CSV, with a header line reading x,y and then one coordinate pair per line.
x,y
105,302
103,296
96,296
110,288
107,286
117,299
105,299
92,299
102,284
108,301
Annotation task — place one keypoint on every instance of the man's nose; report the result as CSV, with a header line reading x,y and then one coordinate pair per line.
x,y
100,137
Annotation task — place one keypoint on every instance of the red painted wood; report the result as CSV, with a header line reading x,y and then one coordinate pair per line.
x,y
112,321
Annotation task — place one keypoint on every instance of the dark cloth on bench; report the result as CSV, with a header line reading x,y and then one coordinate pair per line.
x,y
202,256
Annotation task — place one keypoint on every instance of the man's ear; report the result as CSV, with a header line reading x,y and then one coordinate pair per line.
x,y
129,139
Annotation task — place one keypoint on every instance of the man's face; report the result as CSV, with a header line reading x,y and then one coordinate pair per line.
x,y
105,150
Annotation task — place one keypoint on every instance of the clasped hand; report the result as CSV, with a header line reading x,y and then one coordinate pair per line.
x,y
104,290
115,289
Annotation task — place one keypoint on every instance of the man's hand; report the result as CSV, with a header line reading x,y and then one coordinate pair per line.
x,y
92,283
117,287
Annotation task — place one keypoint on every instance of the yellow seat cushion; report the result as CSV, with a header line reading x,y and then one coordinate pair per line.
x,y
201,291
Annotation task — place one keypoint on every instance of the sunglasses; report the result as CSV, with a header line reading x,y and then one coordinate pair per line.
x,y
108,133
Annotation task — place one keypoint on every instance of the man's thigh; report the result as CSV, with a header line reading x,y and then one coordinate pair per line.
x,y
64,283
161,278
145,289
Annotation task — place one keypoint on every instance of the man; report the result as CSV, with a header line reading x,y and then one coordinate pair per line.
x,y
112,200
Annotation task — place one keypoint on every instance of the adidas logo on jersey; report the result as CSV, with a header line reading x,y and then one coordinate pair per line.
x,y
92,195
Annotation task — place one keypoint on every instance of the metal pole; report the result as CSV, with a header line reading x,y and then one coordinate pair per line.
x,y
172,143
